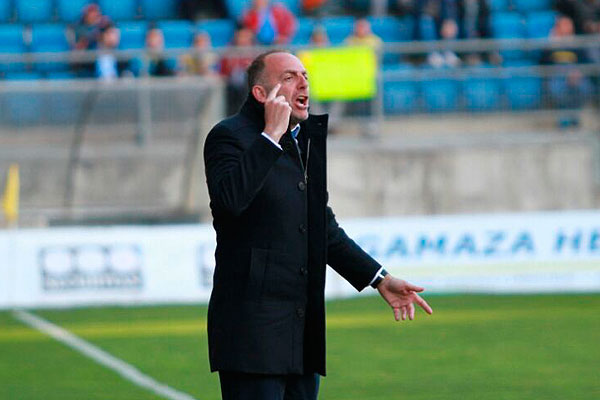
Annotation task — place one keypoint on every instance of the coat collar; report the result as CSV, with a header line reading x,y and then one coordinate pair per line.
x,y
315,125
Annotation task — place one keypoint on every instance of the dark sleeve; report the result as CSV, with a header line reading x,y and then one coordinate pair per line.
x,y
346,257
235,174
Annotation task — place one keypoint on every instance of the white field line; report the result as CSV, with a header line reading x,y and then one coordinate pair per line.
x,y
100,356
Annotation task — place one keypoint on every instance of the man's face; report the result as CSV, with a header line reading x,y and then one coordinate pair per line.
x,y
286,69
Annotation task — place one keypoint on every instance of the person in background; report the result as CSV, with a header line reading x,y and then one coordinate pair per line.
x,y
430,16
445,58
89,27
319,37
158,65
363,35
402,7
233,67
473,17
585,14
271,23
568,89
201,61
107,67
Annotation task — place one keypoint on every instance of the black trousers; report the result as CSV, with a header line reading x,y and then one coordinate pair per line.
x,y
241,386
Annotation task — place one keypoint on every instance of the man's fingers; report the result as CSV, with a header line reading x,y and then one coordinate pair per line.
x,y
414,288
423,304
397,314
273,92
404,312
411,311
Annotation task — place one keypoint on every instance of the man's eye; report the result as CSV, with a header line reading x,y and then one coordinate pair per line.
x,y
288,78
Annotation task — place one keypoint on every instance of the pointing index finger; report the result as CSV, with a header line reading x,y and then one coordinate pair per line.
x,y
273,92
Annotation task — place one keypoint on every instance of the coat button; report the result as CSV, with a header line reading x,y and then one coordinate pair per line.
x,y
303,271
301,186
302,228
300,312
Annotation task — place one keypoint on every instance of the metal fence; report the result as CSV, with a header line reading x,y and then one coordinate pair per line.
x,y
125,148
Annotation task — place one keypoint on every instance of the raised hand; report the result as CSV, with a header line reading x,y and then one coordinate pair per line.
x,y
277,114
401,296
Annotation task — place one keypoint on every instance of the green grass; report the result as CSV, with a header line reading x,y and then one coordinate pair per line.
x,y
473,347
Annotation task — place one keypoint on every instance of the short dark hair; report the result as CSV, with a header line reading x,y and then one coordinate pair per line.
x,y
256,68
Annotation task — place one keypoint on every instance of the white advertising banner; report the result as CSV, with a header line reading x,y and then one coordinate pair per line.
x,y
533,252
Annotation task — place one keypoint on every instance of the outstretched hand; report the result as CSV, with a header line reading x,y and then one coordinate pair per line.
x,y
401,296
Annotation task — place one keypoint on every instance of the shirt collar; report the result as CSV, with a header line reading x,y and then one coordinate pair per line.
x,y
295,130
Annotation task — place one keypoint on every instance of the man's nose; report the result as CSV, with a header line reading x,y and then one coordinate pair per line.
x,y
303,82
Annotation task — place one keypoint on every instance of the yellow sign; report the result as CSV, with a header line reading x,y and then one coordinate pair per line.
x,y
341,73
10,200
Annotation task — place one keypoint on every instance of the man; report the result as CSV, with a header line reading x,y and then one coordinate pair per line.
x,y
265,170
271,23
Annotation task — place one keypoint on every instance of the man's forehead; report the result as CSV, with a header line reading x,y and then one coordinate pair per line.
x,y
283,62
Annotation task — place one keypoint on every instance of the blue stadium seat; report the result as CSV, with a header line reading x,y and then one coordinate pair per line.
x,y
525,6
392,29
400,94
220,31
440,95
292,5
303,31
119,9
49,38
540,23
498,5
133,35
159,9
506,25
523,93
338,28
11,42
34,10
70,10
5,10
178,34
235,8
22,76
482,94
60,75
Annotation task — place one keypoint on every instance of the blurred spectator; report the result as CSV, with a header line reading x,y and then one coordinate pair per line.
x,y
107,67
363,36
319,37
402,7
158,65
233,67
584,13
89,27
271,23
445,58
569,89
198,9
430,16
473,18
202,61
313,7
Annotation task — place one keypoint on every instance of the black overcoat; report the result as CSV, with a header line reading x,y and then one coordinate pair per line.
x,y
275,235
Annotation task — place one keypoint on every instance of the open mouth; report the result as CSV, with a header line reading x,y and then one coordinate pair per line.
x,y
301,102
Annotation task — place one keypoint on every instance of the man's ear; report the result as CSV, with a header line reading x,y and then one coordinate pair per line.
x,y
259,93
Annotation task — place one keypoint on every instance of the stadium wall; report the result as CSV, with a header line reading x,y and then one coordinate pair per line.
x,y
493,253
